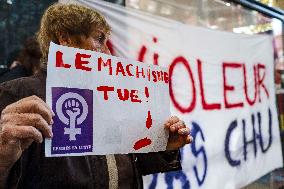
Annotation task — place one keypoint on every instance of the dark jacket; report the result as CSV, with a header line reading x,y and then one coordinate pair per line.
x,y
17,72
34,171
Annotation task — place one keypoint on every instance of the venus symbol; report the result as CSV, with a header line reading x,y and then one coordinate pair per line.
x,y
75,108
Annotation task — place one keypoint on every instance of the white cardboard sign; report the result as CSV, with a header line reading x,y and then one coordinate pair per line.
x,y
105,104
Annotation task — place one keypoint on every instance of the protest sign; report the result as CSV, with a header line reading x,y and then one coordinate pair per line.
x,y
221,84
105,104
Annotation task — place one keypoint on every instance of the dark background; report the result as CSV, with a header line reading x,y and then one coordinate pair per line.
x,y
20,19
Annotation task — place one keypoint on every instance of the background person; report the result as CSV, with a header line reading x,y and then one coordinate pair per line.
x,y
24,63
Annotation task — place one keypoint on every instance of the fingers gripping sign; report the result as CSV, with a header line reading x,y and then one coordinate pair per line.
x,y
22,123
32,104
178,137
179,133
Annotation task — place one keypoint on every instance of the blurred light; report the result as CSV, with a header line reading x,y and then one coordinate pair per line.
x,y
214,27
267,2
253,29
277,26
152,6
166,10
133,1
223,2
221,19
9,2
134,4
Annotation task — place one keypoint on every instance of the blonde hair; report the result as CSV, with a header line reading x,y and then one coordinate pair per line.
x,y
70,19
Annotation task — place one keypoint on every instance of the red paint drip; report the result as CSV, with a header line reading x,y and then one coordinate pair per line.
x,y
147,92
142,54
149,120
155,57
155,39
142,143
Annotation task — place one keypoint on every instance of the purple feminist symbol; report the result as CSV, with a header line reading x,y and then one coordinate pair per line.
x,y
73,122
76,109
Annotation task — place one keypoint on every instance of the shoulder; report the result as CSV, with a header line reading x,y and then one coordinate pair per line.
x,y
24,86
14,90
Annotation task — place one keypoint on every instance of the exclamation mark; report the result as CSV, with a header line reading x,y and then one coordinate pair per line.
x,y
145,141
149,117
147,93
149,120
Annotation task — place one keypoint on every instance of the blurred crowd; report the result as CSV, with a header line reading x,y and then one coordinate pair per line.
x,y
22,62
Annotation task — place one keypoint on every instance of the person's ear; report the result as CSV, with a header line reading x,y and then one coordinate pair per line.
x,y
64,38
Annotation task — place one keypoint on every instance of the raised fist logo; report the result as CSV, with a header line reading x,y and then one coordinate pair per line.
x,y
72,110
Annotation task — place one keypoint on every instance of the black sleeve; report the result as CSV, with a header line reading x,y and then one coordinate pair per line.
x,y
7,95
14,175
156,162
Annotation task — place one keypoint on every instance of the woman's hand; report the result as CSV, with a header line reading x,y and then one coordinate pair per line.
x,y
179,134
23,122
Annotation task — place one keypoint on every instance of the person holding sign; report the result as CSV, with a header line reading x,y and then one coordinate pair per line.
x,y
26,120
